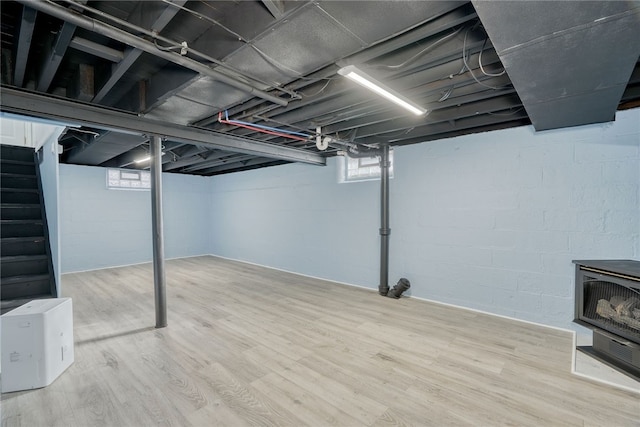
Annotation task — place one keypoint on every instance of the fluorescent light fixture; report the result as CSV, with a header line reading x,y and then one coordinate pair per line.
x,y
353,73
145,159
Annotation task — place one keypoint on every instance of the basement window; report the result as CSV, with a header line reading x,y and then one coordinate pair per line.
x,y
125,179
363,169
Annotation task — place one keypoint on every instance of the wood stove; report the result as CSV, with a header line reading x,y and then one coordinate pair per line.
x,y
607,300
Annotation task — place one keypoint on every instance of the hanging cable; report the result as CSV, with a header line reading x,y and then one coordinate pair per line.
x,y
422,52
306,95
480,63
206,18
464,60
507,114
167,48
154,35
446,95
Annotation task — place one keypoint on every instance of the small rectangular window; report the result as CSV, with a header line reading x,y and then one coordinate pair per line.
x,y
363,169
119,179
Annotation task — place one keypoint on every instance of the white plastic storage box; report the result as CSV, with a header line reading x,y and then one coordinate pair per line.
x,y
37,343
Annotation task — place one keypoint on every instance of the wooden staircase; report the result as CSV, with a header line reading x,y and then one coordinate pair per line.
x,y
26,270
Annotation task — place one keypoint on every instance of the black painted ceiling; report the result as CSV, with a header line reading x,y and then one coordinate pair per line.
x,y
570,65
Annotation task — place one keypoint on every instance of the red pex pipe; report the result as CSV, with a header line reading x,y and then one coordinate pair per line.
x,y
284,135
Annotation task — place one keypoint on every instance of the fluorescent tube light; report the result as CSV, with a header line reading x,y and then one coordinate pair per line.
x,y
145,159
353,73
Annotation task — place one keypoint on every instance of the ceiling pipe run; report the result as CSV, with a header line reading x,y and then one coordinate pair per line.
x,y
146,46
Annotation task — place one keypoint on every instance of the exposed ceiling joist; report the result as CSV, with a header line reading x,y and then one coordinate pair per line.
x,y
133,54
146,46
27,24
280,60
29,104
55,57
96,49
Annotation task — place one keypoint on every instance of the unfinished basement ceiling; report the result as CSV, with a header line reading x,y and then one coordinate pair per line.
x,y
182,68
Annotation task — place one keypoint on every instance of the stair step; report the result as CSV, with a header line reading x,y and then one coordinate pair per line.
x,y
21,228
17,153
20,265
16,280
20,211
25,286
17,162
18,167
8,305
19,205
16,180
19,195
13,246
21,258
19,190
20,221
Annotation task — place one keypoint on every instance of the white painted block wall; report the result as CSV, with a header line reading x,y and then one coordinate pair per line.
x,y
107,228
488,221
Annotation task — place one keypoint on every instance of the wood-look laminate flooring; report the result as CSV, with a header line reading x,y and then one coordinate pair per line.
x,y
248,345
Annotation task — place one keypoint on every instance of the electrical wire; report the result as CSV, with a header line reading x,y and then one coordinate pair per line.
x,y
507,114
480,63
167,48
464,60
238,74
290,72
422,52
307,95
446,95
271,61
206,18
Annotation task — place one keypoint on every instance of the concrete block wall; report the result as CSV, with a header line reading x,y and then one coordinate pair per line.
x,y
488,221
296,217
107,228
493,221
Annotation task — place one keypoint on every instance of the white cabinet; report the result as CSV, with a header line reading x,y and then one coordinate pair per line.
x,y
37,343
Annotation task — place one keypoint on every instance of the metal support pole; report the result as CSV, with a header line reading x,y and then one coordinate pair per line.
x,y
158,236
385,231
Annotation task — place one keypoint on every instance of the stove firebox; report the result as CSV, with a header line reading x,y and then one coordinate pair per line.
x,y
607,300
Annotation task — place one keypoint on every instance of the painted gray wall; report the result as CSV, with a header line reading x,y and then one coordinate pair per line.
x,y
488,221
107,228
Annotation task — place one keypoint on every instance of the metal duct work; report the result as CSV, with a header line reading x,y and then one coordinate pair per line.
x,y
569,61
385,231
402,285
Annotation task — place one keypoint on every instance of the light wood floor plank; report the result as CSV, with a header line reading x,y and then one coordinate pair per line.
x,y
248,346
